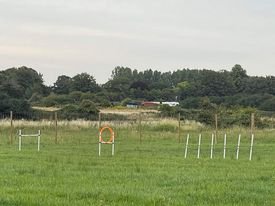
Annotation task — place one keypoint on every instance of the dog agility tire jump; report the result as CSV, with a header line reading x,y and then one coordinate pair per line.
x,y
110,141
112,136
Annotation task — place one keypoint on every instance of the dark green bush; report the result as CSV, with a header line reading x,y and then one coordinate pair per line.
x,y
86,110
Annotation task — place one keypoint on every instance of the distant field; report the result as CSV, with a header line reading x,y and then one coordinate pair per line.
x,y
153,172
128,110
112,110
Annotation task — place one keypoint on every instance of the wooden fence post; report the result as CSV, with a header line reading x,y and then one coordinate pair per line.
x,y
55,124
99,120
139,126
216,128
11,129
179,127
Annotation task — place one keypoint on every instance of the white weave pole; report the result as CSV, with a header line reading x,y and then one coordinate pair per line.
x,y
186,146
199,146
113,144
38,140
238,147
251,147
20,140
212,145
224,146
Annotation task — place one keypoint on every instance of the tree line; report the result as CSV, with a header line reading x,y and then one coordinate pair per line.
x,y
23,87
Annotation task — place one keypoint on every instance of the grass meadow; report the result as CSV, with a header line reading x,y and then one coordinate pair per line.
x,y
151,172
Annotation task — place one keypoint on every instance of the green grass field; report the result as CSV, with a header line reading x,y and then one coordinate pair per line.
x,y
153,172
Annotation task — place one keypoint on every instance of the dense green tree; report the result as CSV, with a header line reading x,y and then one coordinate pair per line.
x,y
19,86
84,83
88,107
21,82
62,85
215,84
24,87
122,72
55,100
268,104
239,76
139,85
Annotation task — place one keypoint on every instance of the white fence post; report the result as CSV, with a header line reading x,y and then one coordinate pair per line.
x,y
224,146
38,141
20,140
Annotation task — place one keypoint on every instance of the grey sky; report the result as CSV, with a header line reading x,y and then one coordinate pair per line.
x,y
58,37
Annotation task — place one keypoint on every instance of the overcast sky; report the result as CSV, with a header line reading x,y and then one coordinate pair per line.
x,y
57,37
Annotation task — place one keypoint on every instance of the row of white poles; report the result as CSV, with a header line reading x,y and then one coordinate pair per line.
x,y
224,146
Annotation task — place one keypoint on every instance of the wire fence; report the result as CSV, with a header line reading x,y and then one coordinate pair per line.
x,y
147,120
142,123
142,127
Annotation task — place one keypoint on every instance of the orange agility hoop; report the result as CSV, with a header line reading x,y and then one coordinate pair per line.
x,y
112,136
110,141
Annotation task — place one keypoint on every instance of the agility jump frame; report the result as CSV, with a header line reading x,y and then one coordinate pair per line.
x,y
38,135
110,141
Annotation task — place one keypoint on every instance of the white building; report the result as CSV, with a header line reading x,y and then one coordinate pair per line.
x,y
171,104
